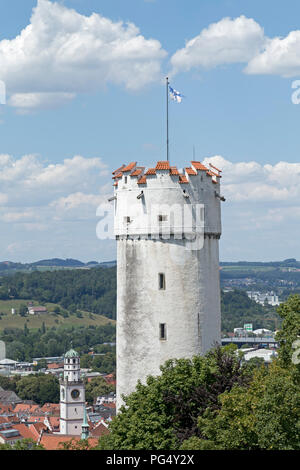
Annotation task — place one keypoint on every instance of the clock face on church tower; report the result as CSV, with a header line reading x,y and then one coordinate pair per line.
x,y
75,394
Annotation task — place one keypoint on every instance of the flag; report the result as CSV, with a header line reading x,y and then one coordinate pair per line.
x,y
175,95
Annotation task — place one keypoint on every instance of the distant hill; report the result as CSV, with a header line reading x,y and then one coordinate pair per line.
x,y
9,267
59,262
287,263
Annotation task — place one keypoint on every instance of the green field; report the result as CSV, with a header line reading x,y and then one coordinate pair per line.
x,y
7,320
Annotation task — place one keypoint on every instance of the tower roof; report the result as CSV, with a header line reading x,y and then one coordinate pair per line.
x,y
72,353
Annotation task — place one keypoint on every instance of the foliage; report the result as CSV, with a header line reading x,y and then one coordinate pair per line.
x,y
264,415
215,402
74,444
92,290
104,363
40,388
160,414
24,444
24,345
290,332
95,388
237,309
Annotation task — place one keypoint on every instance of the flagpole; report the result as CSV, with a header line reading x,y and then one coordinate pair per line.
x,y
167,90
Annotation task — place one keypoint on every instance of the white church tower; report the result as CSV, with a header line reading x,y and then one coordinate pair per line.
x,y
72,396
167,226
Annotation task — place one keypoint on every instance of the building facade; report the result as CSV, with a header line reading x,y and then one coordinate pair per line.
x,y
72,396
167,227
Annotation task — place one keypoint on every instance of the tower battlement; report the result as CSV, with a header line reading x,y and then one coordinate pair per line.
x,y
149,201
132,174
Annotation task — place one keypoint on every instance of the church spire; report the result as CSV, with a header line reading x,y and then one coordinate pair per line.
x,y
85,426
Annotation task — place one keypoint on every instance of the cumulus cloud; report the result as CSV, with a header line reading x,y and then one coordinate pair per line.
x,y
225,42
62,53
31,175
26,102
252,182
281,56
240,40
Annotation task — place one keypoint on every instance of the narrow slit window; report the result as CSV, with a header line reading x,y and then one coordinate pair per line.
x,y
127,220
162,331
125,179
161,281
162,218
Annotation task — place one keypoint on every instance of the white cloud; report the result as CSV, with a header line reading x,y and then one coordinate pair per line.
x,y
252,182
62,53
26,102
31,175
75,200
281,56
225,42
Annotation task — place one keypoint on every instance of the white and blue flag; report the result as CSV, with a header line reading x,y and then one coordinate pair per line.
x,y
175,95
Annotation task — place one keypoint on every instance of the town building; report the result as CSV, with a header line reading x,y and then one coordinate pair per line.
x,y
72,396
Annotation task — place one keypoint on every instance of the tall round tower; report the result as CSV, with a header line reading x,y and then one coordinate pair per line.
x,y
167,226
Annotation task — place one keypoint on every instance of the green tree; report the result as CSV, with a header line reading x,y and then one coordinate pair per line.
x,y
40,388
264,415
289,311
23,310
97,387
160,414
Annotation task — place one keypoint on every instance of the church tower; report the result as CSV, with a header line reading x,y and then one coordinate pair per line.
x,y
72,396
167,225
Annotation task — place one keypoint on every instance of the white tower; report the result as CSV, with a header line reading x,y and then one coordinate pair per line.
x,y
167,226
72,396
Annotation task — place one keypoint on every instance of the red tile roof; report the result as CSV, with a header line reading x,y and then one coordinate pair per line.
x,y
182,179
199,166
174,171
216,174
55,365
24,431
50,407
163,165
54,441
129,167
110,379
215,168
4,419
36,428
99,430
142,180
136,172
190,171
22,407
150,171
119,169
118,175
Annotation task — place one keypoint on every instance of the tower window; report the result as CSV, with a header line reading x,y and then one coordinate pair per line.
x,y
127,219
162,218
161,281
162,331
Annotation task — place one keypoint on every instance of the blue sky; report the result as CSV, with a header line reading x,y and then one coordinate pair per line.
x,y
92,87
